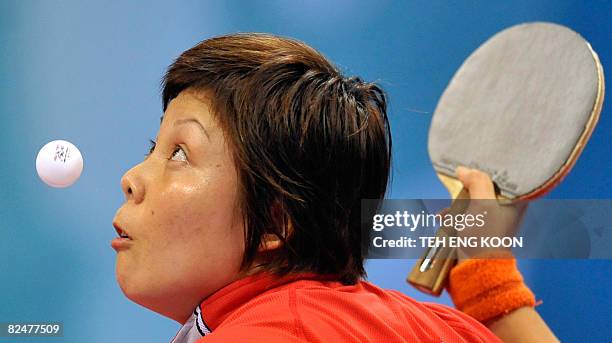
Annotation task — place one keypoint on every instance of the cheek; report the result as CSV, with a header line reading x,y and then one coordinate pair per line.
x,y
187,212
197,229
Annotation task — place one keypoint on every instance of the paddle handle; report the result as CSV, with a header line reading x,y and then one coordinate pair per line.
x,y
431,271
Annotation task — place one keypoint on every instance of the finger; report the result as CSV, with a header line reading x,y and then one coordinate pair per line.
x,y
478,183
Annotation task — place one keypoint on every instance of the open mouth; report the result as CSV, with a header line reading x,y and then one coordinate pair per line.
x,y
124,241
121,232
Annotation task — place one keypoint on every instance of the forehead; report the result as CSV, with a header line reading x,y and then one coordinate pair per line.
x,y
190,103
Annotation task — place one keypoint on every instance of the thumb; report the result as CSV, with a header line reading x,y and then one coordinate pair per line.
x,y
478,183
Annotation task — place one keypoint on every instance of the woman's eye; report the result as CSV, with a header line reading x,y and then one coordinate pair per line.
x,y
178,154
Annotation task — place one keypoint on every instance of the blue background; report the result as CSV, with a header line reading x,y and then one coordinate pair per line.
x,y
89,72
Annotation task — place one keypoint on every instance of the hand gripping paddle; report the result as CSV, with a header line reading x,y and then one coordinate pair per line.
x,y
521,108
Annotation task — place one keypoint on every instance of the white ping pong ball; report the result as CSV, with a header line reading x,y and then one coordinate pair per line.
x,y
59,164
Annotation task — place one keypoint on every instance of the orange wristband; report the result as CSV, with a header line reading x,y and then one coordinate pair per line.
x,y
488,287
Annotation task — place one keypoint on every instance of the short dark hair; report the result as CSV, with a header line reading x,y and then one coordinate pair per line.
x,y
308,143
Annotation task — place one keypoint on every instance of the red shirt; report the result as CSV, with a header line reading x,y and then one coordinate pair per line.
x,y
313,308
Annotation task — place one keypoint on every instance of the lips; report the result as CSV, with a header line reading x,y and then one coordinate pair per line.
x,y
124,240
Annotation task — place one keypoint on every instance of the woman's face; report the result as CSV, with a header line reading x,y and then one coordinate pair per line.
x,y
181,214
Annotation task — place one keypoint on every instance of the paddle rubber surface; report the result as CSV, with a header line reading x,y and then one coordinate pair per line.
x,y
518,107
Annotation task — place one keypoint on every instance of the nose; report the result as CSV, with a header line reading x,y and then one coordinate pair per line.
x,y
132,186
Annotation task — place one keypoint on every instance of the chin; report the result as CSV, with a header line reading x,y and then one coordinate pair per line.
x,y
123,279
134,291
128,280
140,290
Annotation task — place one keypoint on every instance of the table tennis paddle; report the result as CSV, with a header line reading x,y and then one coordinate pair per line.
x,y
521,108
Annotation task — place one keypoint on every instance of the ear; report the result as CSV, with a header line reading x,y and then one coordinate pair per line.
x,y
269,243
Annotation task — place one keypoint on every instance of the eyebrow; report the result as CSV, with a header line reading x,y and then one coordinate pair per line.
x,y
191,120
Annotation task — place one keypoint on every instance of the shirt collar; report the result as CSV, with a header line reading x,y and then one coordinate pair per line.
x,y
218,306
193,329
